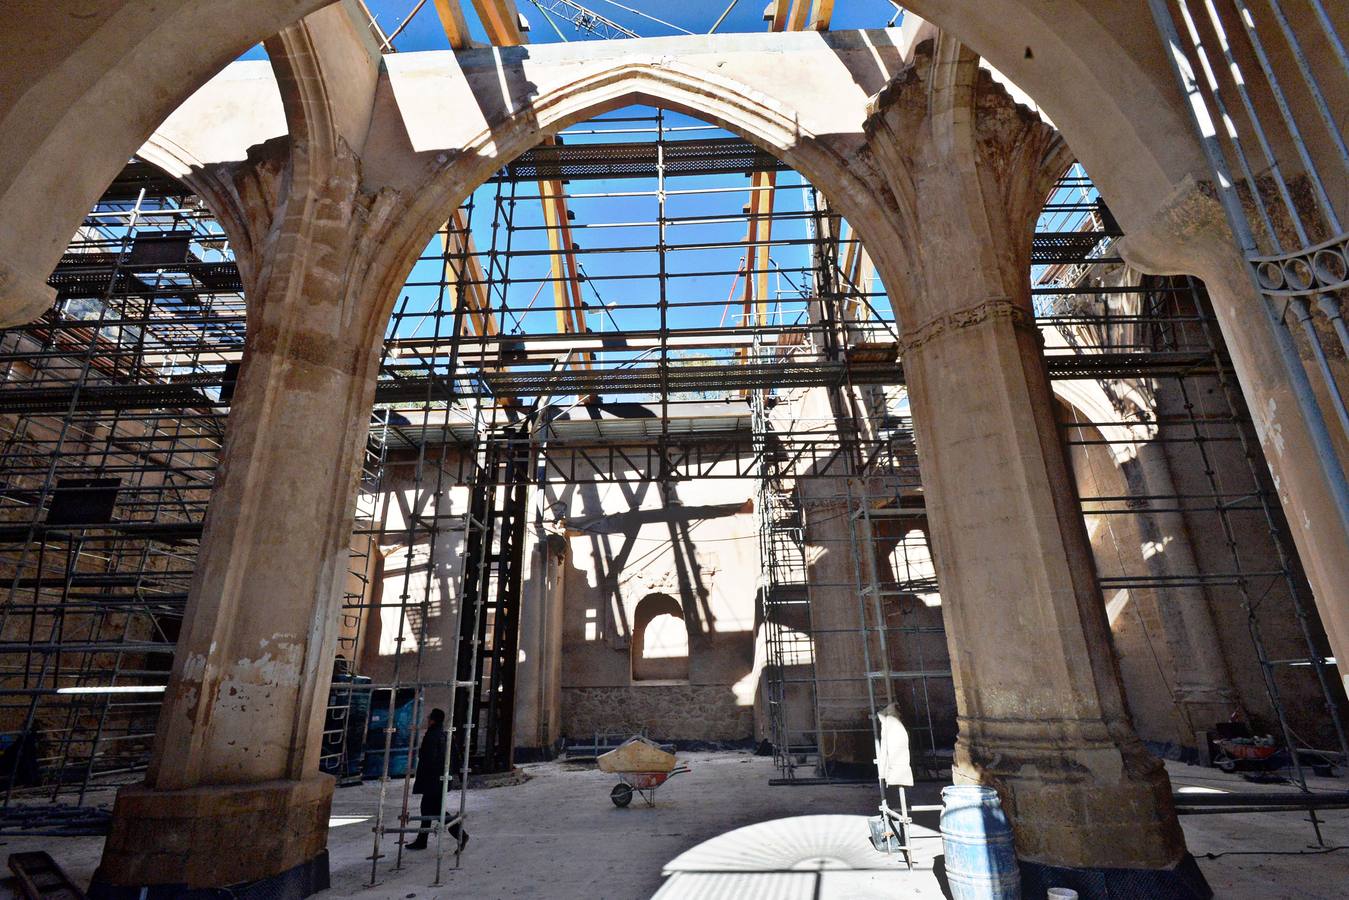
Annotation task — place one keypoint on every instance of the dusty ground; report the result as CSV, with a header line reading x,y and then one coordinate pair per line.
x,y
558,836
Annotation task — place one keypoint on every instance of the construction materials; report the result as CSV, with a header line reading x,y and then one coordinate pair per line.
x,y
40,878
637,754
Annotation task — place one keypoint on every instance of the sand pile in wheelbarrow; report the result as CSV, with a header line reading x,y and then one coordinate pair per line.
x,y
637,754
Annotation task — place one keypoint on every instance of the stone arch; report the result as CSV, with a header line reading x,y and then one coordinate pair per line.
x,y
660,640
69,125
765,121
1123,421
1074,38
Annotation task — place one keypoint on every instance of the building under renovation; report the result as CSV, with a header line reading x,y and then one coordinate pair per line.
x,y
406,405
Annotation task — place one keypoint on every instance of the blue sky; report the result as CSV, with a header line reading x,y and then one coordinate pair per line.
x,y
697,16
614,299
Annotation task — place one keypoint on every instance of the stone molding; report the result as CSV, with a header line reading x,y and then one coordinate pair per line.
x,y
989,310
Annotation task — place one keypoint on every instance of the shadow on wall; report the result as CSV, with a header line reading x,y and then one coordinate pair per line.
x,y
610,561
642,647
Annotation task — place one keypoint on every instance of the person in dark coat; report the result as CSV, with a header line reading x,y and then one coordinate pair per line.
x,y
430,767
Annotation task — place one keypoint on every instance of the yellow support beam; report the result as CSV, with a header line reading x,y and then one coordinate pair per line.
x,y
781,9
458,243
452,20
766,182
850,255
501,20
824,12
861,276
754,298
567,303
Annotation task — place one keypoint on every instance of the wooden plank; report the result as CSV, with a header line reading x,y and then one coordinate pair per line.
x,y
502,21
40,878
566,281
458,244
767,184
824,12
452,20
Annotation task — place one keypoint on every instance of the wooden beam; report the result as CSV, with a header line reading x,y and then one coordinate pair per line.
x,y
458,244
861,276
780,9
754,299
824,12
796,21
501,20
452,20
567,302
766,181
850,255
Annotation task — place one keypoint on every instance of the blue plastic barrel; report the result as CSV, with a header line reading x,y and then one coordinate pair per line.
x,y
977,841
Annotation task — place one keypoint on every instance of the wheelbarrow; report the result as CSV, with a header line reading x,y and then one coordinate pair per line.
x,y
1246,753
644,783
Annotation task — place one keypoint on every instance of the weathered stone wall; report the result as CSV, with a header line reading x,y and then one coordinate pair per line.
x,y
706,557
1145,659
683,712
1253,552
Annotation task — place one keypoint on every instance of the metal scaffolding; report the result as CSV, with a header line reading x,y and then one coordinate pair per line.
x,y
692,351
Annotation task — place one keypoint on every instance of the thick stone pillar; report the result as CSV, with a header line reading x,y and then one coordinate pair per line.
x,y
233,794
1042,711
1042,714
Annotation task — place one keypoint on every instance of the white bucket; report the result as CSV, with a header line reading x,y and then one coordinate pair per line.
x,y
1062,894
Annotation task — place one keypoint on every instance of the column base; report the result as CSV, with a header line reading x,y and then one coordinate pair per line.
x,y
1080,793
1183,881
295,883
270,837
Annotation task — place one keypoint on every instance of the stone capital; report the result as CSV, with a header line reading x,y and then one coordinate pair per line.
x,y
968,169
1188,234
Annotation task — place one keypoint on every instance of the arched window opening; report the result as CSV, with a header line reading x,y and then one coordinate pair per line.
x,y
660,640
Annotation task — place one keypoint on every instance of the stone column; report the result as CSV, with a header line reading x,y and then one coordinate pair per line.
x,y
233,793
841,699
538,692
1042,711
1042,715
1203,687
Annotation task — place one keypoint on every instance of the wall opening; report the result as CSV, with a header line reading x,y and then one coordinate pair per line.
x,y
660,640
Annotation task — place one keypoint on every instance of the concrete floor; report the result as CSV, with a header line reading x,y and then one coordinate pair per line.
x,y
558,836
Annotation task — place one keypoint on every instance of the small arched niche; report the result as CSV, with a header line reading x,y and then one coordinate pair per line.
x,y
660,640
